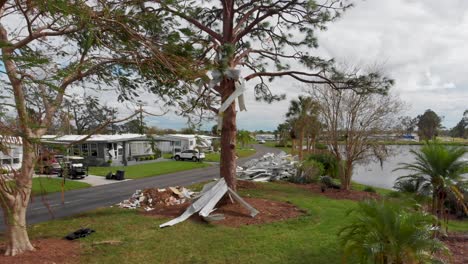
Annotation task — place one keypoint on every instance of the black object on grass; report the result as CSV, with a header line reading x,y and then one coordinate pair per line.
x,y
83,232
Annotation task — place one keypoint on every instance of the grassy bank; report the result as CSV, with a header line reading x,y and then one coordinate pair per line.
x,y
241,153
149,169
45,185
311,238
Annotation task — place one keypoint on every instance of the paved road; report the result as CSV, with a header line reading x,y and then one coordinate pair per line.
x,y
83,200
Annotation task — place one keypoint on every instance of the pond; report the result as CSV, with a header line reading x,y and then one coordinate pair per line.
x,y
373,174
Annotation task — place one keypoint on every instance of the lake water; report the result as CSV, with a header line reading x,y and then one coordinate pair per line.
x,y
371,173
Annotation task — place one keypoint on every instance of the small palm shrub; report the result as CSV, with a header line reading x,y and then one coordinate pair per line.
x,y
309,171
330,163
384,233
369,189
438,168
328,182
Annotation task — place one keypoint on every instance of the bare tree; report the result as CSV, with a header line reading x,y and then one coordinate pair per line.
x,y
353,123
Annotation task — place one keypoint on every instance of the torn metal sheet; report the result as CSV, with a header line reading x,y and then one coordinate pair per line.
x,y
270,167
214,217
199,204
211,194
253,211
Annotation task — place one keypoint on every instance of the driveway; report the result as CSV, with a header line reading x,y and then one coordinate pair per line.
x,y
78,201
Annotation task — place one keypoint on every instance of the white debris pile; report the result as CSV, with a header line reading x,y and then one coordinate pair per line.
x,y
206,202
270,167
149,199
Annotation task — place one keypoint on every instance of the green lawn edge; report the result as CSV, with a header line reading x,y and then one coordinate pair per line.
x,y
311,238
149,169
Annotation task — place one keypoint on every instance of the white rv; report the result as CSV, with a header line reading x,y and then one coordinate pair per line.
x,y
11,153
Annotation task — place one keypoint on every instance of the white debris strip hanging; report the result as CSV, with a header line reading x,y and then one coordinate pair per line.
x,y
232,74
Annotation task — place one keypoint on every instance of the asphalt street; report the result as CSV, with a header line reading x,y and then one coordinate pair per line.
x,y
48,207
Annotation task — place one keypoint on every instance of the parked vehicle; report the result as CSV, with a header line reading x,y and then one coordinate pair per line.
x,y
50,164
73,167
261,141
189,154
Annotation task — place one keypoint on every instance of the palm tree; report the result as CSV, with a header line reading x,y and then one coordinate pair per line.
x,y
303,111
384,233
244,137
441,168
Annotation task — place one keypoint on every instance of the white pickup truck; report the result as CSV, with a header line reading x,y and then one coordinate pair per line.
x,y
189,155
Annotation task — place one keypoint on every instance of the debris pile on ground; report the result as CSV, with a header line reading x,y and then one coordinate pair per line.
x,y
149,199
270,167
205,204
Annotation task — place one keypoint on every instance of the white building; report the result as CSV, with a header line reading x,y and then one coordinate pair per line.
x,y
266,137
11,153
102,150
179,142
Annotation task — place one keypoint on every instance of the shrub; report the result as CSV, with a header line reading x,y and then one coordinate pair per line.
x,y
369,189
383,232
321,146
308,172
328,182
216,144
330,163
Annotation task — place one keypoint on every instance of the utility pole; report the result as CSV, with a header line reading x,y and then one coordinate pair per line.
x,y
142,128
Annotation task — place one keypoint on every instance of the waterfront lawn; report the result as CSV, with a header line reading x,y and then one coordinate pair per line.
x,y
311,238
45,185
149,169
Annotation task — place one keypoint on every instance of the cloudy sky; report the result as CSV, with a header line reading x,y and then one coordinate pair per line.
x,y
420,43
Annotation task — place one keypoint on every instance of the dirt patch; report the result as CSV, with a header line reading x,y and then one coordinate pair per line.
x,y
248,185
47,251
458,245
339,194
236,215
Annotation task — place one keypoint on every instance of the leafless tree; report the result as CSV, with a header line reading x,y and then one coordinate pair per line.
x,y
353,123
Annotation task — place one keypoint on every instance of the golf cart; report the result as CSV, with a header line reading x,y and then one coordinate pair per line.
x,y
73,167
50,164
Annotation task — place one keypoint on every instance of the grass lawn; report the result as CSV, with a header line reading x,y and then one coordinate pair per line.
x,y
272,144
45,185
167,155
149,169
311,238
241,153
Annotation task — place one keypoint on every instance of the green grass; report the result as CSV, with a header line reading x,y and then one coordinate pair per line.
x,y
361,187
272,144
149,169
241,153
45,185
311,238
167,155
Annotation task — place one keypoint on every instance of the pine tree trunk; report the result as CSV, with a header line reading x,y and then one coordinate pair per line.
x,y
228,140
293,146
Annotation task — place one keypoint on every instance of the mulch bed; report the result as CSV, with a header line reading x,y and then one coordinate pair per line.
x,y
458,245
236,215
339,194
47,251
